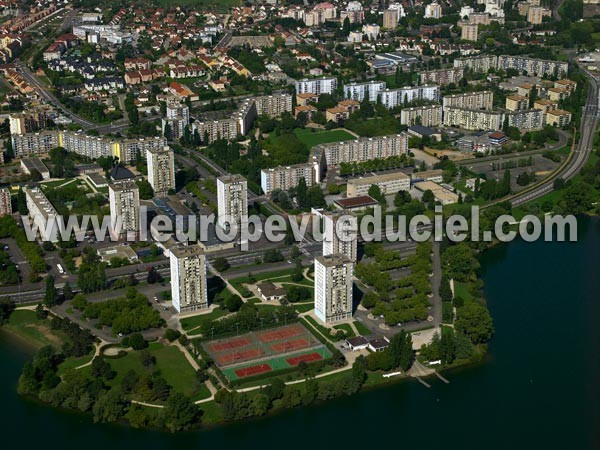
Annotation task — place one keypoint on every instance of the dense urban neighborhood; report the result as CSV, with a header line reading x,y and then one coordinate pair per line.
x,y
204,119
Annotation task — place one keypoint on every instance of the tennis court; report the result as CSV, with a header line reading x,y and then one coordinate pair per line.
x,y
264,351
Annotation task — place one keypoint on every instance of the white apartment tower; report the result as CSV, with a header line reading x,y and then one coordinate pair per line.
x,y
5,205
232,200
333,288
161,169
340,235
188,278
124,200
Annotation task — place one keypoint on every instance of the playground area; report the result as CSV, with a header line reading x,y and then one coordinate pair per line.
x,y
265,351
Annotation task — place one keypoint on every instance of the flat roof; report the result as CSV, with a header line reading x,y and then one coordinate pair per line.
x,y
441,193
35,163
379,178
356,202
428,173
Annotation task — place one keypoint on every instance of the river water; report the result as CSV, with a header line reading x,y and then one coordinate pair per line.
x,y
538,389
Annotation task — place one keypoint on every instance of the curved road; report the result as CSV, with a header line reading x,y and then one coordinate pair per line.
x,y
580,154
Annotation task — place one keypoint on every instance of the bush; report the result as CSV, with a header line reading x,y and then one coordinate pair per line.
x,y
171,334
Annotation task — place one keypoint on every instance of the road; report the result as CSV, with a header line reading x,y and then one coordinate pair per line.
x,y
579,155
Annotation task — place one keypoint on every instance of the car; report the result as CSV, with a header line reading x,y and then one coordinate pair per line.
x,y
120,334
156,299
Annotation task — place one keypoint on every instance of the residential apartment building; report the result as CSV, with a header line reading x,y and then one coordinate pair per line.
x,y
28,121
340,235
316,86
5,204
469,32
359,150
533,66
188,278
392,98
536,14
124,201
545,105
478,64
433,10
359,91
558,118
333,288
232,200
213,130
42,214
391,18
517,103
389,184
342,111
91,146
176,120
469,100
285,177
161,170
556,94
273,105
441,76
527,120
354,12
472,119
428,116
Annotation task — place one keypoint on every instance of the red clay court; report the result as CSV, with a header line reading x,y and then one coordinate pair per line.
x,y
311,357
290,346
281,333
258,345
253,370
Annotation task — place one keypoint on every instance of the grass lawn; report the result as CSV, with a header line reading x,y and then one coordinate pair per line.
x,y
171,364
323,330
311,138
462,290
188,323
71,363
211,413
363,330
303,307
281,275
345,327
26,325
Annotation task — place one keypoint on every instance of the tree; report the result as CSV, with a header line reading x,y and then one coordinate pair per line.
x,y
109,407
171,334
578,198
375,192
180,413
445,290
102,369
474,321
221,264
459,262
67,291
272,255
6,309
401,352
145,189
302,193
51,295
428,198
153,276
137,341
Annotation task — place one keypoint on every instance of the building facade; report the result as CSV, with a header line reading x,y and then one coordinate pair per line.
x,y
469,100
392,98
526,120
42,214
318,86
340,235
359,91
472,119
388,183
285,177
333,288
161,170
232,200
441,76
5,203
124,201
428,116
188,278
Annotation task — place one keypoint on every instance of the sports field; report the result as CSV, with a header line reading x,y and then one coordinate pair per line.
x,y
311,138
265,351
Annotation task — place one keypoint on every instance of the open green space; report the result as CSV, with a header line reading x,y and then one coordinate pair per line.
x,y
73,362
346,328
362,329
312,138
462,290
36,332
189,323
170,362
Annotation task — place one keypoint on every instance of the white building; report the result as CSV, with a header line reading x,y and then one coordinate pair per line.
x,y
161,170
5,204
391,98
371,31
333,288
232,201
428,116
188,278
124,200
340,235
358,91
285,177
326,85
433,10
42,214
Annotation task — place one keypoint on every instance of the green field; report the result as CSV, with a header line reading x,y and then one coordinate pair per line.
x,y
311,138
277,363
36,332
189,323
346,328
171,364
